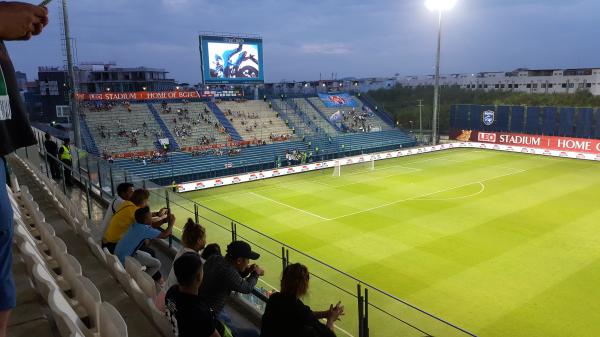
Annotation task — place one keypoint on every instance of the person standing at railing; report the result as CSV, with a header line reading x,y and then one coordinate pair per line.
x,y
18,21
64,154
286,315
51,155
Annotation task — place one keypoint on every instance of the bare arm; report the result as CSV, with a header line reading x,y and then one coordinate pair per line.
x,y
167,232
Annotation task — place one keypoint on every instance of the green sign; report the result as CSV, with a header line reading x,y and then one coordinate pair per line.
x,y
5,113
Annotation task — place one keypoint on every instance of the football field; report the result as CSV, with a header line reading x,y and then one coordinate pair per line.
x,y
501,244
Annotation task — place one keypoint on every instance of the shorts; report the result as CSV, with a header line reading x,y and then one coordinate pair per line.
x,y
8,294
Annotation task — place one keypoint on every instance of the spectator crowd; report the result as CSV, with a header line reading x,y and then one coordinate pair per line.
x,y
202,279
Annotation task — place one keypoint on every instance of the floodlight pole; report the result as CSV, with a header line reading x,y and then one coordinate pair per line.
x,y
71,78
436,87
420,119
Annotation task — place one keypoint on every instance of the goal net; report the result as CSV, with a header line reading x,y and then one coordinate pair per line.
x,y
353,168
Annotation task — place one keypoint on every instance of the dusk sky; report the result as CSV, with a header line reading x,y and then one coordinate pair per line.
x,y
304,38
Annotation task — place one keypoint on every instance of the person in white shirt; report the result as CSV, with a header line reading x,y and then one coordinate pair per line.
x,y
124,192
193,240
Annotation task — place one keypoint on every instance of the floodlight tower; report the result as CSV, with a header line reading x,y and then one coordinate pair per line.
x,y
439,6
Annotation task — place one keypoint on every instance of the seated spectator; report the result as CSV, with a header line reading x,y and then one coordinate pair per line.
x,y
188,314
136,236
125,217
286,315
230,273
124,192
210,250
193,240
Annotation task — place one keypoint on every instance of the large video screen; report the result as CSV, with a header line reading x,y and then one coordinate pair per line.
x,y
228,60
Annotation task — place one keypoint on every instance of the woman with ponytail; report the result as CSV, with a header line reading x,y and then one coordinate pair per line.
x,y
193,240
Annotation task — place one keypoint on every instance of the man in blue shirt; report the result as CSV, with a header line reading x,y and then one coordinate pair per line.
x,y
140,231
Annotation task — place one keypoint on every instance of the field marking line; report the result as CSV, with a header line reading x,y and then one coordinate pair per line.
x,y
224,196
391,167
344,331
268,284
265,188
292,207
413,170
425,195
458,198
482,165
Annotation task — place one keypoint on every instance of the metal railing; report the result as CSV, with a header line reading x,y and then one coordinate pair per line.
x,y
370,311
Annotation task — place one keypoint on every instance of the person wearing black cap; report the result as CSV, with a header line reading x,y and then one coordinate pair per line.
x,y
222,275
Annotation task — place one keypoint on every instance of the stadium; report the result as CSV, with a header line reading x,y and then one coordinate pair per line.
x,y
479,222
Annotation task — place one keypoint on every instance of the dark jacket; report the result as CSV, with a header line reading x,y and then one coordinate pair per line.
x,y
220,279
287,316
15,130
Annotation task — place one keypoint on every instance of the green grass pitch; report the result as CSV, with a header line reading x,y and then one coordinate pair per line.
x,y
501,244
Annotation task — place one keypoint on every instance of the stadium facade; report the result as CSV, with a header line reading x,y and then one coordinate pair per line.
x,y
534,81
94,78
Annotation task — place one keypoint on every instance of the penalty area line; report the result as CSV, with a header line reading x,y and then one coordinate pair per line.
x,y
426,195
289,206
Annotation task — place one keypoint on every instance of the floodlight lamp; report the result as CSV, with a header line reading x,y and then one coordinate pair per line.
x,y
440,5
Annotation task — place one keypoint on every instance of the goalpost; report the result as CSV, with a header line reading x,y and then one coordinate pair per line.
x,y
354,168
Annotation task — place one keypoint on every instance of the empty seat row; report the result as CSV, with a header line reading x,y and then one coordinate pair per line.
x,y
139,285
74,300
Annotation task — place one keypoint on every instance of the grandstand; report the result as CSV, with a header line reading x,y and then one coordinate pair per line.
x,y
255,120
117,130
302,105
226,137
302,124
373,121
192,124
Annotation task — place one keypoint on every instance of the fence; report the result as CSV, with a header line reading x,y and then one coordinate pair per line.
x,y
369,311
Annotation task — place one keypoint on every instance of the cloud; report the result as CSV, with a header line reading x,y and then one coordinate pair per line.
x,y
325,48
305,38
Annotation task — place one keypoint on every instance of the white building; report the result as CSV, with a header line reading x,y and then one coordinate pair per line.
x,y
521,80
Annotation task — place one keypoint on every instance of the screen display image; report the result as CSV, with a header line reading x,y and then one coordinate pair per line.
x,y
231,60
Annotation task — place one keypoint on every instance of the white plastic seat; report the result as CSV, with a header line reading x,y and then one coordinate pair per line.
x,y
113,263
96,250
30,255
143,301
59,304
111,322
44,281
70,270
146,283
64,323
132,266
88,297
162,323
